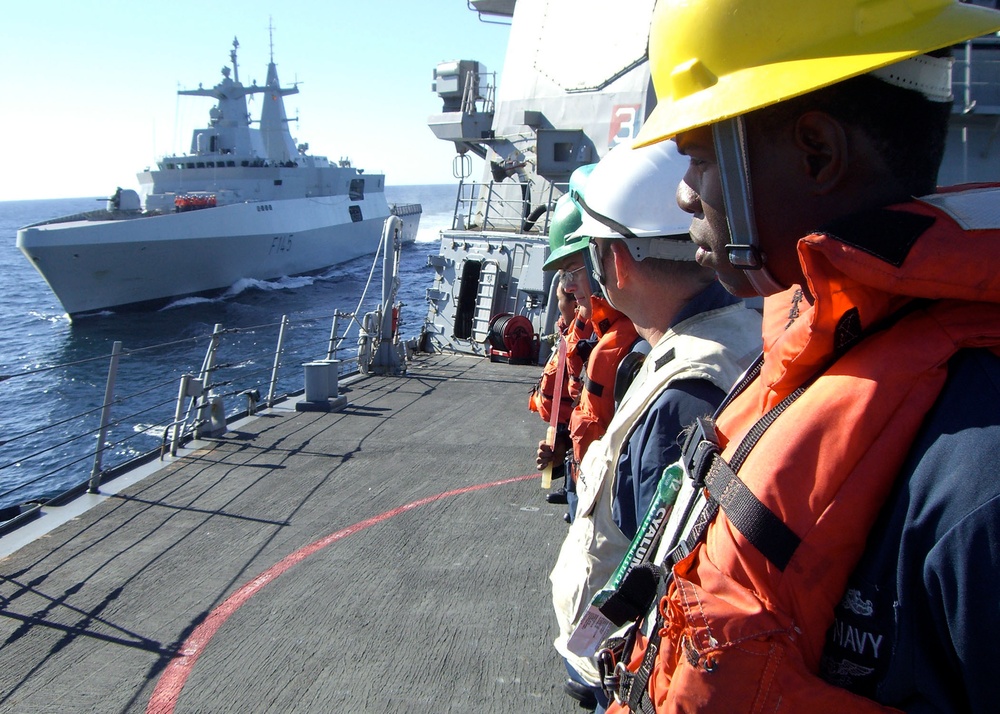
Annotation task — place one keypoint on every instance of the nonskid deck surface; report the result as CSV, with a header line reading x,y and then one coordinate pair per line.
x,y
386,558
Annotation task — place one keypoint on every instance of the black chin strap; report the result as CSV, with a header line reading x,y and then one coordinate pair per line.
x,y
734,171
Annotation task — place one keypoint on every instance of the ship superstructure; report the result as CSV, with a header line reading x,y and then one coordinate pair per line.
x,y
567,97
572,88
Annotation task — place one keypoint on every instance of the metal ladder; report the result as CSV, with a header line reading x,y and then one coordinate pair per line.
x,y
485,300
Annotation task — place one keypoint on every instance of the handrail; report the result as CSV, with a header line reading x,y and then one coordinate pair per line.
x,y
497,212
109,395
977,66
108,452
119,441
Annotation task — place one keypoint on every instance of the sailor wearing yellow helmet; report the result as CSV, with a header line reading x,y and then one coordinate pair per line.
x,y
837,544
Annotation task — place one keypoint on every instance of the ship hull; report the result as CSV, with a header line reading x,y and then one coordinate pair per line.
x,y
93,266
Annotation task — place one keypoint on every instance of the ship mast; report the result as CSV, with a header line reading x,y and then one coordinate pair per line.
x,y
278,143
232,56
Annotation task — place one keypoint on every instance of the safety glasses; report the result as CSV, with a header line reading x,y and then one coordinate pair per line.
x,y
570,277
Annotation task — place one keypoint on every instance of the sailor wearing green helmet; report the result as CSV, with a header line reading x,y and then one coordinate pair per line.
x,y
566,253
559,386
567,259
567,256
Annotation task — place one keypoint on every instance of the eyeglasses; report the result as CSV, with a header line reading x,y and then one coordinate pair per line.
x,y
568,277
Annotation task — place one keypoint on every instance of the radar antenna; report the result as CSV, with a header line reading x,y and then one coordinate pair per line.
x,y
232,56
270,36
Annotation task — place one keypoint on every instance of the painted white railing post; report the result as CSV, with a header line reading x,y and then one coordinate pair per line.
x,y
331,350
109,395
277,361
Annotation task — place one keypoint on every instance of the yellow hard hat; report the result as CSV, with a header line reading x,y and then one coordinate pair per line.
x,y
715,59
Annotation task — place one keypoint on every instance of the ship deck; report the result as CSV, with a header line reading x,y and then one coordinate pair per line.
x,y
393,556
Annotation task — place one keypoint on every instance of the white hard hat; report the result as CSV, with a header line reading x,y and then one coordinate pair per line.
x,y
631,195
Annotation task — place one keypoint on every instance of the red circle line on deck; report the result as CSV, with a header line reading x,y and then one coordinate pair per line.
x,y
171,683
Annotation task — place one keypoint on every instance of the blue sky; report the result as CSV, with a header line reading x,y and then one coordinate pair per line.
x,y
94,85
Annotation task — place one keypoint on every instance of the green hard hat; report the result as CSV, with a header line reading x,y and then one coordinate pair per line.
x,y
566,218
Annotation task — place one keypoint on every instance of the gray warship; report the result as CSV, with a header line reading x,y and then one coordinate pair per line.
x,y
246,202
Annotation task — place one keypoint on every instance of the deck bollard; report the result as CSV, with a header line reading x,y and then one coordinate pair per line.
x,y
212,418
333,377
317,381
321,387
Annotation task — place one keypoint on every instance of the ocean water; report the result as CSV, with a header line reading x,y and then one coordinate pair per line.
x,y
53,373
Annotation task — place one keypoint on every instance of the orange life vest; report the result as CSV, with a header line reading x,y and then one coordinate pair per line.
x,y
616,336
540,399
740,632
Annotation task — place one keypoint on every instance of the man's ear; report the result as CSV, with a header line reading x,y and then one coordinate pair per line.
x,y
823,145
623,262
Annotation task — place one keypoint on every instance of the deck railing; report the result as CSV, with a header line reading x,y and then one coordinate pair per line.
x,y
124,430
975,76
503,206
47,464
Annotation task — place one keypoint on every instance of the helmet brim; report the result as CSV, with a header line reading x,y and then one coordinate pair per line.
x,y
576,243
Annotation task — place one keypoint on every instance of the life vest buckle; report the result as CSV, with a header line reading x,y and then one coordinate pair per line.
x,y
700,447
607,660
620,683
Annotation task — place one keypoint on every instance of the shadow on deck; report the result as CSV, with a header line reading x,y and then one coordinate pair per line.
x,y
392,557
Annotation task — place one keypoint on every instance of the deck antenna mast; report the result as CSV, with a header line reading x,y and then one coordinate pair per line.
x,y
232,56
270,36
